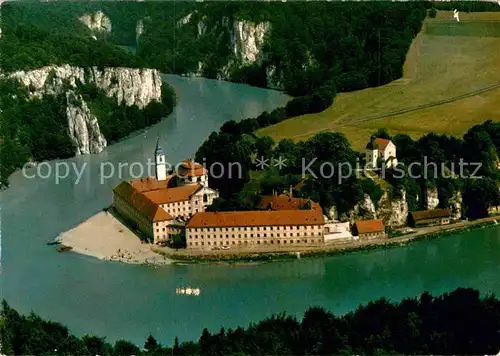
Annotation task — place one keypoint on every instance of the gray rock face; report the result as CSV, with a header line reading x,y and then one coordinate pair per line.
x,y
129,86
393,212
97,21
364,210
247,40
246,43
431,198
83,126
455,204
139,30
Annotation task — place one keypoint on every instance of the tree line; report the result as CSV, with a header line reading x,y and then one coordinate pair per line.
x,y
431,162
459,322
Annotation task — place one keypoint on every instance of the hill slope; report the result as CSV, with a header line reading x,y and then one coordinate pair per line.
x,y
451,81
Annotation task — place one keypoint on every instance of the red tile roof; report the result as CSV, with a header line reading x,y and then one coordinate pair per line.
x,y
189,168
284,202
171,195
256,218
369,226
147,184
382,143
430,214
140,202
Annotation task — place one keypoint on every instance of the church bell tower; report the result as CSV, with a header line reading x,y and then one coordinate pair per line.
x,y
160,164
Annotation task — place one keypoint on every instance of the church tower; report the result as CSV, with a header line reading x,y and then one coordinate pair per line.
x,y
160,164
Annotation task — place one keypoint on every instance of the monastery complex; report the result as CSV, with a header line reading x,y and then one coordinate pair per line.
x,y
175,203
172,203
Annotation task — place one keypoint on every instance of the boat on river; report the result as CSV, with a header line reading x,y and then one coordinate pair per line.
x,y
54,242
64,248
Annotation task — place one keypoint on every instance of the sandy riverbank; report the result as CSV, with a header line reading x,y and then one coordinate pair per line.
x,y
106,238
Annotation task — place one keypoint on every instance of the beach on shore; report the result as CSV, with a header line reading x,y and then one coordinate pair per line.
x,y
104,237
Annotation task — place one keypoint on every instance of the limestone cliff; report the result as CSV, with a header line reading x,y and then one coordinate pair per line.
x,y
431,198
83,126
128,86
97,22
246,43
247,40
455,204
365,209
393,211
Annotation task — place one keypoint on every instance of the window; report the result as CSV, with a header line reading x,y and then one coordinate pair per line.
x,y
205,198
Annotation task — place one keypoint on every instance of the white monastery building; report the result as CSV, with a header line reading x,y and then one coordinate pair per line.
x,y
381,149
159,206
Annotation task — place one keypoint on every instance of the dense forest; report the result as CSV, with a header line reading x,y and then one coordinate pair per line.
x,y
34,36
481,144
461,322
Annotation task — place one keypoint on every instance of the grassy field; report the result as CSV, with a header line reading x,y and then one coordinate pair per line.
x,y
451,82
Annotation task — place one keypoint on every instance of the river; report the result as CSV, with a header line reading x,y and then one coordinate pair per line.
x,y
128,301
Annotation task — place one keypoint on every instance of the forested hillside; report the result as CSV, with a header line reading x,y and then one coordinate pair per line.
x,y
461,322
34,127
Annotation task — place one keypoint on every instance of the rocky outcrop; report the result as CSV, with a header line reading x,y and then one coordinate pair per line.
x,y
246,43
274,80
363,210
247,39
431,198
455,204
97,21
139,30
394,212
127,85
332,213
130,86
83,126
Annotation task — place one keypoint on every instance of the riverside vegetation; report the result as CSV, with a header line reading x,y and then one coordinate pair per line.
x,y
459,322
